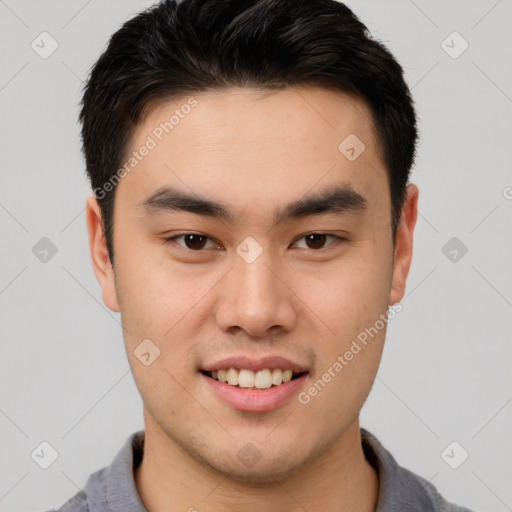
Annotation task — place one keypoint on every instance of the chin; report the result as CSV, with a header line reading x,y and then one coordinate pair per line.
x,y
261,471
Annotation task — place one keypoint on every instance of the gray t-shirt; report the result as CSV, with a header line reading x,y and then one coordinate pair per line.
x,y
112,489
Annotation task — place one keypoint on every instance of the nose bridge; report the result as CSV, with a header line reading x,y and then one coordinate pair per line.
x,y
256,276
256,299
257,286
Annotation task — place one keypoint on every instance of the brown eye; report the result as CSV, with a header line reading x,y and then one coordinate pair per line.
x,y
316,241
195,241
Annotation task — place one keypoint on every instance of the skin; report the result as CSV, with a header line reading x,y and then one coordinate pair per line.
x,y
255,152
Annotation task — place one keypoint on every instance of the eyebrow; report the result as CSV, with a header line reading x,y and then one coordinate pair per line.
x,y
340,200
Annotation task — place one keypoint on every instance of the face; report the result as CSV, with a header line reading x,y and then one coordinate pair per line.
x,y
280,259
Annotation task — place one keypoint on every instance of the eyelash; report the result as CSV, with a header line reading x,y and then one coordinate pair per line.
x,y
180,235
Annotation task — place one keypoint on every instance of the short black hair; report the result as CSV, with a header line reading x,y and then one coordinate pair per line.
x,y
177,48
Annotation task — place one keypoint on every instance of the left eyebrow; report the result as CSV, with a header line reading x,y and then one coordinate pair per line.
x,y
339,200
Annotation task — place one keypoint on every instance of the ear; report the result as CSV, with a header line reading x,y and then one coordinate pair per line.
x,y
99,254
404,244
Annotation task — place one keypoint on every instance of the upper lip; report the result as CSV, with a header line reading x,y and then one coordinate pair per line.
x,y
255,364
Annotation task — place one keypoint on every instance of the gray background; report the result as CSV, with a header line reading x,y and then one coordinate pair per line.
x,y
445,373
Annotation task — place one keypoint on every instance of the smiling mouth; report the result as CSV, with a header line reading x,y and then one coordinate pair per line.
x,y
247,379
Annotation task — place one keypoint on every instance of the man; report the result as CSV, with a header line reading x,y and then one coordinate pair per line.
x,y
251,219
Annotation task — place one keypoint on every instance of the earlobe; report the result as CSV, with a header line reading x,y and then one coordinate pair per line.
x,y
404,244
98,252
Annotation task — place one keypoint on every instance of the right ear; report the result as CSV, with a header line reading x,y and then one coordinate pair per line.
x,y
99,254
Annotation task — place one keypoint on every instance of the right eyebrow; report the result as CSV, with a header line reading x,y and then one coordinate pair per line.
x,y
172,199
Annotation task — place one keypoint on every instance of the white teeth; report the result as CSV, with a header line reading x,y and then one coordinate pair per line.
x,y
287,375
245,379
232,377
277,377
262,379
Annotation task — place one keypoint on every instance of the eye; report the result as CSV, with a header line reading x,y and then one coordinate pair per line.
x,y
197,242
193,241
316,241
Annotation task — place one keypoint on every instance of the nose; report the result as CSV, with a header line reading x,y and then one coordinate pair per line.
x,y
256,298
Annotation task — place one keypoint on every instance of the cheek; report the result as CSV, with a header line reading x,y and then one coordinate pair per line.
x,y
160,389
152,297
349,356
164,305
353,295
156,319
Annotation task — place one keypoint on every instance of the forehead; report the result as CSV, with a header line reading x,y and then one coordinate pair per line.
x,y
248,147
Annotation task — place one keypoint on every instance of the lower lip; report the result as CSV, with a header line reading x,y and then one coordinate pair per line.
x,y
255,400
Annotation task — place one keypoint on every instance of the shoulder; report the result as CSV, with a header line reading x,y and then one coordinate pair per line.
x,y
400,488
430,496
111,487
77,503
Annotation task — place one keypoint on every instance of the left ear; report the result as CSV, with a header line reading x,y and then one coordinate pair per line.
x,y
404,244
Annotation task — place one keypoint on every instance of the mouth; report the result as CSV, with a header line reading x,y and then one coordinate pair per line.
x,y
254,384
260,390
244,378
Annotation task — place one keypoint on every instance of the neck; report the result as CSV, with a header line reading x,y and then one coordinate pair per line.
x,y
170,478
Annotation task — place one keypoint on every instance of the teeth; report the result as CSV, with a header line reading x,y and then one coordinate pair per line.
x,y
244,378
277,377
263,379
287,375
232,377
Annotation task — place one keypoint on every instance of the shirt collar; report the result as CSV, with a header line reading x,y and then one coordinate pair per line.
x,y
399,488
113,488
